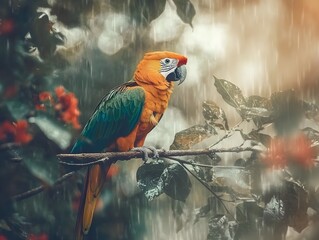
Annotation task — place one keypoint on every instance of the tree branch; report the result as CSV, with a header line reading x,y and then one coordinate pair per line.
x,y
87,159
41,188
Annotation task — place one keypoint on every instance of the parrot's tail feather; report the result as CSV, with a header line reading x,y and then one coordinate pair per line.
x,y
94,182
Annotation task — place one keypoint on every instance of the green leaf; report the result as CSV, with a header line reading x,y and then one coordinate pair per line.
x,y
185,10
259,109
140,11
231,179
149,180
43,167
311,110
230,93
313,136
73,14
260,137
53,130
156,178
187,138
18,109
177,183
213,113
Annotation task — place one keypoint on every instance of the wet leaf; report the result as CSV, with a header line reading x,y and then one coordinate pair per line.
x,y
218,228
53,130
312,135
258,109
259,137
44,168
71,14
233,178
15,224
155,178
18,109
230,93
258,102
187,138
178,213
311,110
140,11
41,36
274,211
185,10
212,159
252,112
296,200
213,205
248,211
177,183
149,180
213,113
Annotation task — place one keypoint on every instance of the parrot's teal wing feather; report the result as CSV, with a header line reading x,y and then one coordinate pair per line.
x,y
115,116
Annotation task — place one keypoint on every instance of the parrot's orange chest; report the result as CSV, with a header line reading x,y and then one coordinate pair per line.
x,y
156,102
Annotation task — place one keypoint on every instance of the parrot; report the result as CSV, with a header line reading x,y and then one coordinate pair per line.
x,y
122,120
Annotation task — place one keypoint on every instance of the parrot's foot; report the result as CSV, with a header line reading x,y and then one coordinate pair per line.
x,y
146,150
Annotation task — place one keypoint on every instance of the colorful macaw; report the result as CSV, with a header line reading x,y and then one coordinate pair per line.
x,y
123,119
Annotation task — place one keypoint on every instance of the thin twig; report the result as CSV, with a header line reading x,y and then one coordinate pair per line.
x,y
41,188
209,189
228,134
183,163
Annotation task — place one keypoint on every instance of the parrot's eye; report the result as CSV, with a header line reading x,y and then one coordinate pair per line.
x,y
167,60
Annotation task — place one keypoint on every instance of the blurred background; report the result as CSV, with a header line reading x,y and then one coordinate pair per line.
x,y
59,58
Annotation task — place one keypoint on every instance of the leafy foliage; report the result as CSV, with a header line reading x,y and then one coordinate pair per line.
x,y
230,93
238,190
31,134
157,178
143,12
185,10
39,117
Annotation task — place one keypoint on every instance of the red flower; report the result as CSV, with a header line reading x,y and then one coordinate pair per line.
x,y
301,152
3,237
7,131
41,236
59,91
45,96
6,26
22,136
283,151
67,106
16,132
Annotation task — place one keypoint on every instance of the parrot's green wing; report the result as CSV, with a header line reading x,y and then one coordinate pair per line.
x,y
116,116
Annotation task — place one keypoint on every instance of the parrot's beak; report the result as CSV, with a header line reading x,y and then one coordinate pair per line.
x,y
180,73
181,70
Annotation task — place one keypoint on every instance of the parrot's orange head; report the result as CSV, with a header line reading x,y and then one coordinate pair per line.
x,y
161,69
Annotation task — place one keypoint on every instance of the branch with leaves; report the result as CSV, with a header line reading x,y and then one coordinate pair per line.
x,y
88,159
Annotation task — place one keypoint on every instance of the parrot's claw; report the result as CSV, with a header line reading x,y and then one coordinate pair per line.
x,y
154,151
145,150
